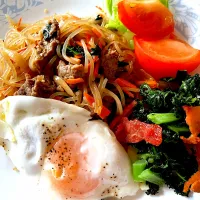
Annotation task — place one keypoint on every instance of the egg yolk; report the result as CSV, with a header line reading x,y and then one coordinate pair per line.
x,y
72,173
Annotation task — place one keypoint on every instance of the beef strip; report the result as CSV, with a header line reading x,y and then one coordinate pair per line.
x,y
39,86
70,71
46,48
110,63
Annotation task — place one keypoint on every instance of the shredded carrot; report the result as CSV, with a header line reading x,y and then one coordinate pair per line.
x,y
98,7
194,178
104,111
102,43
126,112
21,50
123,83
78,56
74,81
130,94
88,37
89,98
79,43
96,68
193,121
152,83
196,187
95,58
96,32
19,24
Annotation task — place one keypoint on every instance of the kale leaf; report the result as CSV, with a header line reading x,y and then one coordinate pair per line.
x,y
46,32
75,50
96,51
153,189
171,161
99,17
172,101
157,100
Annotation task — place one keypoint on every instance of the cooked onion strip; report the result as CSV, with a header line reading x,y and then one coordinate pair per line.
x,y
103,85
64,50
117,100
58,51
63,84
121,93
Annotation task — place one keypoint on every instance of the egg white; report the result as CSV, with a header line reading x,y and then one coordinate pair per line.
x,y
30,127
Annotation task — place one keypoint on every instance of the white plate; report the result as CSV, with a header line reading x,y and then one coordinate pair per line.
x,y
187,19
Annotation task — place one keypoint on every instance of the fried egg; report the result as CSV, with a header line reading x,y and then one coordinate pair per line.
x,y
68,155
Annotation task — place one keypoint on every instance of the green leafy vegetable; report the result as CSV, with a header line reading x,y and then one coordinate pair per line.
x,y
165,3
153,189
99,17
96,51
172,101
178,129
46,33
138,168
163,118
170,161
75,50
157,100
114,22
151,177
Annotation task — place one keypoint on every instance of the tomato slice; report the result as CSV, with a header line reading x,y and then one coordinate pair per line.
x,y
134,131
147,18
163,58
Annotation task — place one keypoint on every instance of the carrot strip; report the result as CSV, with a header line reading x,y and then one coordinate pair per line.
x,y
104,112
123,83
152,83
130,94
79,43
193,121
126,112
78,56
89,98
194,178
19,23
96,68
95,58
98,7
74,81
21,50
196,187
88,37
96,32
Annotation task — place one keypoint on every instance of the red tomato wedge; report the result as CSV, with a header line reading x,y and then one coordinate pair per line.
x,y
147,18
134,131
163,58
